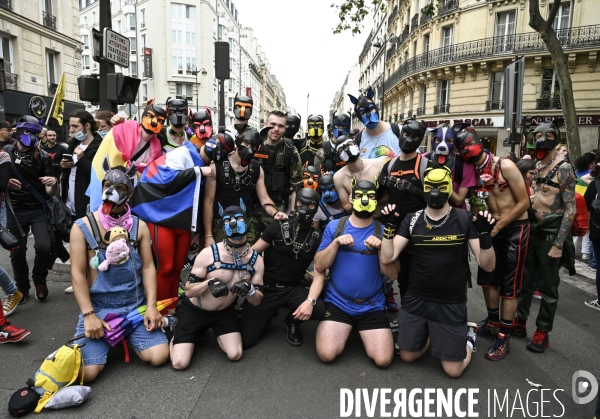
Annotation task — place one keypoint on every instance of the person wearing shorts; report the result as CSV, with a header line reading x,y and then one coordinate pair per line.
x,y
354,293
434,310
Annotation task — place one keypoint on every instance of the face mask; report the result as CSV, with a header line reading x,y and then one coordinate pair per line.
x,y
350,153
246,153
240,128
364,198
234,221
307,203
80,135
203,129
435,180
366,110
469,145
153,119
370,119
102,133
330,195
315,131
111,196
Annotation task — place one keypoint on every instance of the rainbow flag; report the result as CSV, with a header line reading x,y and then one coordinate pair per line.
x,y
168,193
119,145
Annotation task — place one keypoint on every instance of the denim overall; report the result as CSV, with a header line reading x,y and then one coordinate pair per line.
x,y
117,290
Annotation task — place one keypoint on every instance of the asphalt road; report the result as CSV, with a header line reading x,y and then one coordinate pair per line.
x,y
276,380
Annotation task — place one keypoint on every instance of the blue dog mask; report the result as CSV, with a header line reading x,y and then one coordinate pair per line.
x,y
366,109
234,222
329,194
341,125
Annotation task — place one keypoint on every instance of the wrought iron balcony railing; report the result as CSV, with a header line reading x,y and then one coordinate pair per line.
x,y
424,18
494,105
414,23
549,103
420,111
447,6
6,4
401,117
52,89
570,38
441,108
392,16
410,114
49,20
11,80
390,52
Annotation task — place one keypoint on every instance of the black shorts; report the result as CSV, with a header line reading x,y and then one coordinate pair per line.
x,y
444,324
510,246
193,322
368,321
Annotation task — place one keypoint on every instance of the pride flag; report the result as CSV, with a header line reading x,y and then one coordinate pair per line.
x,y
168,193
119,145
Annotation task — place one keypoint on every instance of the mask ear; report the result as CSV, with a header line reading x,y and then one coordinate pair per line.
x,y
461,126
431,129
220,210
353,182
131,173
376,182
558,122
105,165
353,99
242,205
370,93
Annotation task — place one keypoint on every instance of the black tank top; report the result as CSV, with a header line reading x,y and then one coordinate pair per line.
x,y
233,186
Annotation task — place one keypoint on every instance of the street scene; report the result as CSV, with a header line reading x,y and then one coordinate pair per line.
x,y
272,209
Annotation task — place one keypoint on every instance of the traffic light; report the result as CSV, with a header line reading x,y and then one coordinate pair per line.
x,y
122,89
89,88
528,122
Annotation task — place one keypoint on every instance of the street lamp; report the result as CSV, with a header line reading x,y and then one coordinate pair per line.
x,y
394,40
195,73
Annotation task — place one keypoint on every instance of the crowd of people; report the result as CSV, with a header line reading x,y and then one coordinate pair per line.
x,y
239,223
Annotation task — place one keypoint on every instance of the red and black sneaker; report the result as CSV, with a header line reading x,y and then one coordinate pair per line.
x,y
488,327
390,303
539,342
519,328
10,333
500,349
41,292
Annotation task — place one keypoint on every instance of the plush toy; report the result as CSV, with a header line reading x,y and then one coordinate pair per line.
x,y
116,253
115,233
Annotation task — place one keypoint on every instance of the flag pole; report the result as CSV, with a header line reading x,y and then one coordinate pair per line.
x,y
54,98
307,100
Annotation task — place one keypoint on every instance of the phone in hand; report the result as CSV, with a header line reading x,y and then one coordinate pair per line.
x,y
67,157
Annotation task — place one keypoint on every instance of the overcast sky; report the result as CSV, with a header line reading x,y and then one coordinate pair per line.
x,y
297,38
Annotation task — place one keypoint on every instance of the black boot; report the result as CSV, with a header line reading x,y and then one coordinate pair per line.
x,y
294,337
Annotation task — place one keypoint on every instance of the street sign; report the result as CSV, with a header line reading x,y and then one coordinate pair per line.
x,y
130,109
513,86
115,48
148,63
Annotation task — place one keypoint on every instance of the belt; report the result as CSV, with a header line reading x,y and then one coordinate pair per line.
x,y
274,286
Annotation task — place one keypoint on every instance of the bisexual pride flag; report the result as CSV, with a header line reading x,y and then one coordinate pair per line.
x,y
168,193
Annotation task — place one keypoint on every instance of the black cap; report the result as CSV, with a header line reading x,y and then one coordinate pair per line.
x,y
4,124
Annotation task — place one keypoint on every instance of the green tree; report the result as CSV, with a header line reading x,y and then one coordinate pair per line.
x,y
353,12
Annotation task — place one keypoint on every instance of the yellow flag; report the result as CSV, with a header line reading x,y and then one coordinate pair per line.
x,y
59,101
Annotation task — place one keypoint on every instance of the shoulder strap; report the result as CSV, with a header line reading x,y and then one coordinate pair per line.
x,y
95,230
422,167
413,221
378,229
395,129
339,230
134,229
324,209
459,166
24,181
391,164
463,219
597,182
142,151
89,237
358,139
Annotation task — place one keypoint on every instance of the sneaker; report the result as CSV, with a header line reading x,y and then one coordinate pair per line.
x,y
69,290
500,349
10,333
585,256
472,334
539,342
294,337
24,297
10,302
537,295
390,303
593,304
41,292
488,327
394,325
519,328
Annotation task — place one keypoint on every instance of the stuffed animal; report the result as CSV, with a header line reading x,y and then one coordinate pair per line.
x,y
116,253
115,233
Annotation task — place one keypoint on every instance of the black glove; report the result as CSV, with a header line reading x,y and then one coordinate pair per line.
x,y
407,187
389,181
218,288
389,231
241,288
482,225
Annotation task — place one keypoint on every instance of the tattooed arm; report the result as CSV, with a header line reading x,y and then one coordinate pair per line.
x,y
567,181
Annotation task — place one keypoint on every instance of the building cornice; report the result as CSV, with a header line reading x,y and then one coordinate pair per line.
x,y
35,27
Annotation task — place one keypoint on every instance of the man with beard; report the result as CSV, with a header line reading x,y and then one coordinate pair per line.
x,y
379,138
202,127
313,145
551,241
330,204
239,178
242,109
434,310
354,294
280,162
463,173
31,178
506,197
289,248
402,185
331,162
55,151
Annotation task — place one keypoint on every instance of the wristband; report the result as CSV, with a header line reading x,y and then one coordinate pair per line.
x,y
389,231
88,313
558,246
269,204
485,241
252,291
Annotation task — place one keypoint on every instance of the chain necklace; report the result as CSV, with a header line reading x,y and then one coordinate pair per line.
x,y
296,246
237,257
432,226
538,164
359,171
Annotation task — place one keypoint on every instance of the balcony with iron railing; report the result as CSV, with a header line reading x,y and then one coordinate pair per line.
x,y
6,4
441,108
447,6
494,105
11,80
49,20
392,16
410,114
414,23
401,117
549,103
420,111
52,89
390,52
425,17
499,46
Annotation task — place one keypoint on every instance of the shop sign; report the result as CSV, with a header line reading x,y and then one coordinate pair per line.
x,y
37,107
585,120
475,122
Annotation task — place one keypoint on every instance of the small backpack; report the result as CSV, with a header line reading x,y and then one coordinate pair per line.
x,y
59,369
580,221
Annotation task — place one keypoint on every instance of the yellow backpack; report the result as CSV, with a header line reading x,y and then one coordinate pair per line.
x,y
59,369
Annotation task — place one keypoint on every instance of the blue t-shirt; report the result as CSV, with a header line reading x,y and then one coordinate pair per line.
x,y
354,275
385,145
